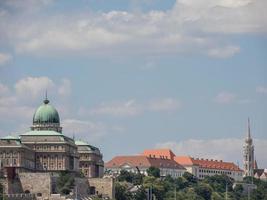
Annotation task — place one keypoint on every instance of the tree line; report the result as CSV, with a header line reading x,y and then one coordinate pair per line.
x,y
132,186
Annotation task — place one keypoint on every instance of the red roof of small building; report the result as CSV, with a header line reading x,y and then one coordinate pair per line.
x,y
159,153
142,161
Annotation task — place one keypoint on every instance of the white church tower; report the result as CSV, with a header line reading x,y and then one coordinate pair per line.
x,y
248,149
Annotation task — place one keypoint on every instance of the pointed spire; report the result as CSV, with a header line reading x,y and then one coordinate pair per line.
x,y
255,164
46,101
248,136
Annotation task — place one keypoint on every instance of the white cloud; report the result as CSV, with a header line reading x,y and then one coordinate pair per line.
x,y
225,52
187,27
25,5
133,108
65,87
225,98
127,108
5,58
3,89
228,149
167,104
261,89
88,129
33,86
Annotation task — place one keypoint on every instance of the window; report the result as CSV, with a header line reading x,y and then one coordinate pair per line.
x,y
45,165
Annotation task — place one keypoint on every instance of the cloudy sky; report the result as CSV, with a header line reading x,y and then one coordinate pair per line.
x,y
126,75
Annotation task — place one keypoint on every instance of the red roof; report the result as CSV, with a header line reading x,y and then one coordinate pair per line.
x,y
159,153
205,163
165,158
184,160
142,161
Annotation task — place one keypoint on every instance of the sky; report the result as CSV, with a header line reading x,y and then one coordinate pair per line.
x,y
128,75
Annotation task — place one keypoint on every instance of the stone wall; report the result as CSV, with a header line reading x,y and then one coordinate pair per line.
x,y
82,186
104,186
4,183
36,183
20,197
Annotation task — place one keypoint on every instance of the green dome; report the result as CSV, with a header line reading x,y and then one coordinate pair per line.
x,y
46,114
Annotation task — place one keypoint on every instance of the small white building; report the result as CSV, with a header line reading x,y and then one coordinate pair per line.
x,y
260,174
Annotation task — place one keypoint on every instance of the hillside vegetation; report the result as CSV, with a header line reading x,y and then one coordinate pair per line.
x,y
130,186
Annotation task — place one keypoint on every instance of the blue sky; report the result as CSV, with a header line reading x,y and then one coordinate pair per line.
x,y
129,75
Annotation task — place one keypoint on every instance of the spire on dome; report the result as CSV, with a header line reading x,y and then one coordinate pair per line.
x,y
46,101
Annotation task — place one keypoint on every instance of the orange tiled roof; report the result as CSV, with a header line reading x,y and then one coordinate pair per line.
x,y
159,153
142,161
184,160
205,163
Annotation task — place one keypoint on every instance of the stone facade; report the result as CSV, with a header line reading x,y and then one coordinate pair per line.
x,y
53,151
90,163
15,154
36,183
104,186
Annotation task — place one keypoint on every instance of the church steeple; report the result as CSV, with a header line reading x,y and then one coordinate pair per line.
x,y
249,136
248,150
248,139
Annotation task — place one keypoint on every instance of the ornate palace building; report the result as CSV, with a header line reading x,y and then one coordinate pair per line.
x,y
46,148
90,161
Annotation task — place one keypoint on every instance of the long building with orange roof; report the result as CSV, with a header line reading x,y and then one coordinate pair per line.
x,y
170,164
205,167
198,167
140,164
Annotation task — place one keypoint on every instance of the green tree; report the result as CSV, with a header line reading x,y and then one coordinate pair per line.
x,y
125,176
238,191
181,183
138,179
216,196
65,183
190,194
219,183
122,192
157,186
190,178
140,194
203,190
153,171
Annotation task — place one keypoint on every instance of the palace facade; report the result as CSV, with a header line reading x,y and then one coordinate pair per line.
x,y
46,148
